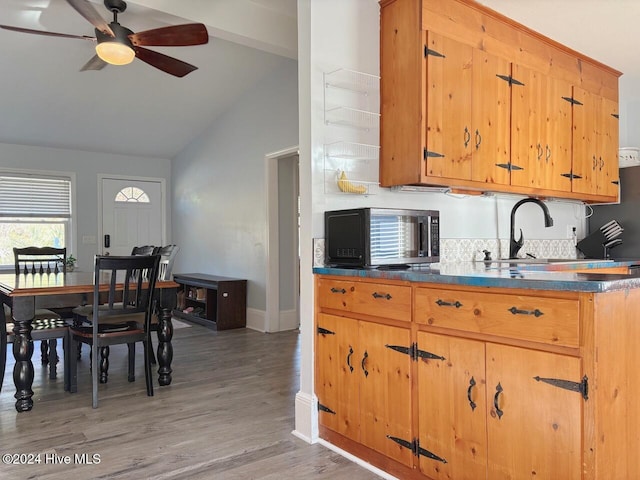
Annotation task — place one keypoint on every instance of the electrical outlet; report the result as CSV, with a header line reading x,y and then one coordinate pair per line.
x,y
572,232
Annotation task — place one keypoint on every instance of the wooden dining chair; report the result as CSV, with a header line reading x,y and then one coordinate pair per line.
x,y
40,260
44,329
129,283
43,261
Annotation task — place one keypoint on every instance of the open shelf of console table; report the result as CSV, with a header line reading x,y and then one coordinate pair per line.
x,y
216,302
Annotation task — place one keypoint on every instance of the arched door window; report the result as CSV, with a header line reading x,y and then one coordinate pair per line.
x,y
132,194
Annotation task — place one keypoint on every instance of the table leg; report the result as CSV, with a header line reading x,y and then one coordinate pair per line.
x,y
23,309
165,349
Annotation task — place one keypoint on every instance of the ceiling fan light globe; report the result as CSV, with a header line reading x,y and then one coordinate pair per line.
x,y
115,53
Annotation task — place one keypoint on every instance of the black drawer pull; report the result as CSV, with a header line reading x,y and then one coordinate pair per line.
x,y
516,311
381,295
338,290
442,303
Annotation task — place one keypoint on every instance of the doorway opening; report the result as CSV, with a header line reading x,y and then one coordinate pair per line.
x,y
283,245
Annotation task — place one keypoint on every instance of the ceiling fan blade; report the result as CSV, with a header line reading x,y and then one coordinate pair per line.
x,y
89,12
173,36
49,34
164,62
95,63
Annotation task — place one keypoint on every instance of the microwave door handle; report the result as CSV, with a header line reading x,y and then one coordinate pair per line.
x,y
421,234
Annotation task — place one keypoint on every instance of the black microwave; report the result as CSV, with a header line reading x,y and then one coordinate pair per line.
x,y
379,237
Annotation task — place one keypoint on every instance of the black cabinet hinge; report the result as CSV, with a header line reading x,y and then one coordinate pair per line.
x,y
572,100
615,115
510,80
324,331
428,51
580,387
414,352
416,449
570,175
427,154
616,182
509,166
323,408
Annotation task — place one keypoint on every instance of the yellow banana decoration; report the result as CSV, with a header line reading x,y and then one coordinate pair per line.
x,y
345,185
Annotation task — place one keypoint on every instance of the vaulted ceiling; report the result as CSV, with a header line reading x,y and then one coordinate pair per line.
x,y
138,110
135,109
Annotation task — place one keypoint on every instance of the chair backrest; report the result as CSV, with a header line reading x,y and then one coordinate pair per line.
x,y
167,257
131,282
40,260
143,250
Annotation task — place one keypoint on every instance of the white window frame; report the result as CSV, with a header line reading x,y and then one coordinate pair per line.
x,y
71,227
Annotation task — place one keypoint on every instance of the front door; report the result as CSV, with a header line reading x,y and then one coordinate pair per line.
x,y
132,214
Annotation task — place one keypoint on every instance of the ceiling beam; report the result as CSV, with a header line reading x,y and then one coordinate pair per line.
x,y
246,22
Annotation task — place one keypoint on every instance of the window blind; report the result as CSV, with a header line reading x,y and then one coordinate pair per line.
x,y
35,196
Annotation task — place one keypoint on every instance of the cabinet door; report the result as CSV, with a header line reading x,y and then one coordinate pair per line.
x,y
491,117
541,130
585,133
449,129
595,147
452,407
336,376
535,428
608,163
385,389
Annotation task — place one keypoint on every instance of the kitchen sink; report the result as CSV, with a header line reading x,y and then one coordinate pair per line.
x,y
542,261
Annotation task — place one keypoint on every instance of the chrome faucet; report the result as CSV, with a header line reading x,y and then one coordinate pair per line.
x,y
515,245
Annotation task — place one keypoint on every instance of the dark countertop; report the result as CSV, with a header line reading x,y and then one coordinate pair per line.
x,y
533,276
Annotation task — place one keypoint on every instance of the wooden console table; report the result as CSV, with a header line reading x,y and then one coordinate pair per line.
x,y
216,302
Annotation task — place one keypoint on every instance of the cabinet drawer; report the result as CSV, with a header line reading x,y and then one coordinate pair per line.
x,y
555,321
377,299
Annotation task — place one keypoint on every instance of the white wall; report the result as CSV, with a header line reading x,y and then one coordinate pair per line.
x,y
219,198
86,166
345,34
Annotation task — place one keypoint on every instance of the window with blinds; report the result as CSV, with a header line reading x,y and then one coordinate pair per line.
x,y
35,210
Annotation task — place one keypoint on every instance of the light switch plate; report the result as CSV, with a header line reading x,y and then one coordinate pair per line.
x,y
88,240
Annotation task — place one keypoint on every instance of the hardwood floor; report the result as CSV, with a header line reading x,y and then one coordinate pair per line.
x,y
228,414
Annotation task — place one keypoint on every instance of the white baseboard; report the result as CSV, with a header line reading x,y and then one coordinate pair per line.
x,y
306,408
289,320
256,319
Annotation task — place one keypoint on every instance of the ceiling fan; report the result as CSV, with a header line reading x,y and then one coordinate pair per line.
x,y
117,45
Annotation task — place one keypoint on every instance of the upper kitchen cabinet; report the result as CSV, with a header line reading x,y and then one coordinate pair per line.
x,y
475,101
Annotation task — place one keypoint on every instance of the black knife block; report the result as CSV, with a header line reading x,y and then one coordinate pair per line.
x,y
593,245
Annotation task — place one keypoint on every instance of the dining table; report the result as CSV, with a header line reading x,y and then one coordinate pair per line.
x,y
24,293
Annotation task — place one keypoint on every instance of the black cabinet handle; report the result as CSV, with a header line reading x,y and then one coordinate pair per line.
x,y
539,148
381,295
364,359
472,383
516,311
467,137
478,139
548,153
338,290
349,359
496,399
442,303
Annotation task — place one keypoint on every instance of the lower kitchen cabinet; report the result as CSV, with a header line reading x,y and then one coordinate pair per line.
x,y
438,381
363,383
499,412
